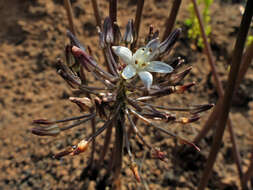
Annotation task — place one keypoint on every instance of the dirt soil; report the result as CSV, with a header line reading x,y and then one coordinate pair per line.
x,y
33,36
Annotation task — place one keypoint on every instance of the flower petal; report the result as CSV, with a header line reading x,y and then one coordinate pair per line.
x,y
124,54
146,78
159,67
139,54
128,72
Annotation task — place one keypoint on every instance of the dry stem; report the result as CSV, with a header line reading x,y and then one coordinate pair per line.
x,y
236,62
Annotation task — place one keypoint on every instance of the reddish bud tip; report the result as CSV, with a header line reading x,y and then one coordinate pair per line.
x,y
157,154
189,143
181,89
134,169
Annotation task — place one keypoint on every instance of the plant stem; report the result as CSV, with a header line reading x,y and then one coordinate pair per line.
x,y
236,62
137,22
170,22
220,90
105,145
96,12
118,154
68,8
113,10
247,58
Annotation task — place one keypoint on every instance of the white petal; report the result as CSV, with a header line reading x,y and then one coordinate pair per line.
x,y
153,44
146,78
159,67
124,54
139,54
128,72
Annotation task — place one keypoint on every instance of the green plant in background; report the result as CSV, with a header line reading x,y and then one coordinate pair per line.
x,y
249,40
193,24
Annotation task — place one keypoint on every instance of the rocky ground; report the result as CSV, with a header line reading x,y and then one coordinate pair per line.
x,y
33,36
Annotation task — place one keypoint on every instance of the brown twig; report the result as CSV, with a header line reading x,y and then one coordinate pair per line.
x,y
220,90
170,22
235,66
70,16
137,22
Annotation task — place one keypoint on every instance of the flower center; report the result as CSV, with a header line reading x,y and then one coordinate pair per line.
x,y
142,58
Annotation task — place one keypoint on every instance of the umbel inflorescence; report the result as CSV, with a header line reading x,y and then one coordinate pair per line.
x,y
133,79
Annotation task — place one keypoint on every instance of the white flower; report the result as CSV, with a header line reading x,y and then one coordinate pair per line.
x,y
141,62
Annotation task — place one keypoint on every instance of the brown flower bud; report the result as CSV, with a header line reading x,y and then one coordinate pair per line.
x,y
83,103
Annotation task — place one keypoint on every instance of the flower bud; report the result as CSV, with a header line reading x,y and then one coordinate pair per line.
x,y
46,131
108,31
83,103
167,44
181,89
117,34
129,34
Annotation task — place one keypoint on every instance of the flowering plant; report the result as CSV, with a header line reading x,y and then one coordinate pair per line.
x,y
122,99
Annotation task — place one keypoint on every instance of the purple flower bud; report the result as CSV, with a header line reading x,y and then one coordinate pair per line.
x,y
108,31
167,44
129,34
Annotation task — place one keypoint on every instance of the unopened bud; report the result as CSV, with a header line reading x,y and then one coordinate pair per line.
x,y
181,89
166,45
108,31
177,78
101,38
84,103
46,131
74,40
129,34
117,34
42,122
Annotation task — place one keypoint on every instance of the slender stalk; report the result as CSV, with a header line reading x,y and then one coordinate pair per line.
x,y
170,22
105,146
78,122
118,154
68,8
219,88
96,13
247,59
137,21
236,62
113,10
